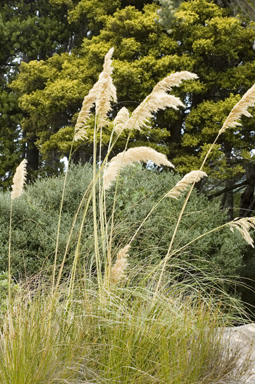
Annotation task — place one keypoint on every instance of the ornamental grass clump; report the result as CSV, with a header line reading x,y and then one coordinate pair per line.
x,y
106,319
124,339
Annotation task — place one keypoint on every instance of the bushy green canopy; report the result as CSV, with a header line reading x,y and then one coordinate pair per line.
x,y
36,212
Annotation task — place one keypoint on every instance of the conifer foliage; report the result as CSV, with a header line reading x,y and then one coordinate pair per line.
x,y
50,89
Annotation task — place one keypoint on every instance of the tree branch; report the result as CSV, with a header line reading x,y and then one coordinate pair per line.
x,y
228,189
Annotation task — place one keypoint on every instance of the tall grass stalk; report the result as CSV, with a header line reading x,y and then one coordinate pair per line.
x,y
87,195
9,256
17,189
95,211
109,249
241,108
59,219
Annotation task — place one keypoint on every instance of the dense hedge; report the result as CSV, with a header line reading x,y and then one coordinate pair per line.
x,y
35,217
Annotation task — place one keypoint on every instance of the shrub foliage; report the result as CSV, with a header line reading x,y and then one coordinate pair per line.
x,y
36,212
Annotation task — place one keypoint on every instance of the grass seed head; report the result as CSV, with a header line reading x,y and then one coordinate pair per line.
x,y
241,108
185,182
120,120
174,80
118,270
243,225
130,156
19,180
157,100
101,95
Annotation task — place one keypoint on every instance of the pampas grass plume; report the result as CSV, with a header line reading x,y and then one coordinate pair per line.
x,y
100,95
129,157
158,99
174,80
107,92
118,270
184,183
243,225
120,120
241,108
19,180
144,112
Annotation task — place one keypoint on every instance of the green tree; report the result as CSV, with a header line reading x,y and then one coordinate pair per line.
x,y
168,8
37,30
11,147
65,79
225,67
29,30
52,90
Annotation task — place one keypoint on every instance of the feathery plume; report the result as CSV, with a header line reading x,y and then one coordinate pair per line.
x,y
158,99
130,156
174,80
120,120
243,225
100,95
184,183
19,180
80,134
153,103
241,108
118,270
84,114
107,92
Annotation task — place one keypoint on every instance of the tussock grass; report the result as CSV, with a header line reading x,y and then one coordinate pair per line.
x,y
104,322
122,339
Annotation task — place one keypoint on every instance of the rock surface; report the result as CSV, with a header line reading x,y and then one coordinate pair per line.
x,y
243,339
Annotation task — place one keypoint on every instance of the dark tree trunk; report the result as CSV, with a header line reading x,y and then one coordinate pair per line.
x,y
228,197
81,157
227,201
52,164
32,155
247,203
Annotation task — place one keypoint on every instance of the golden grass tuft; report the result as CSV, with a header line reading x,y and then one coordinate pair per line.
x,y
130,156
185,182
19,180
